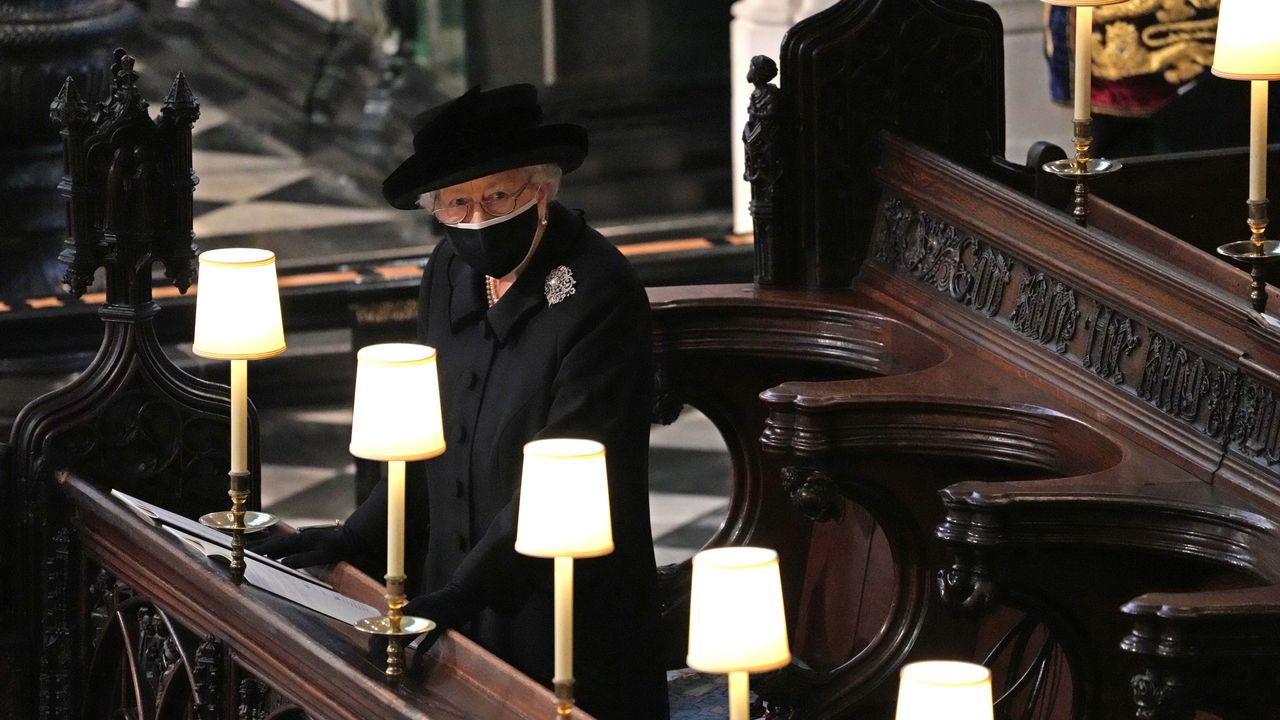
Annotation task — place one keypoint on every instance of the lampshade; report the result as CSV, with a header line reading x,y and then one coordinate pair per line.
x,y
238,305
736,618
564,500
1248,43
1082,3
397,405
944,689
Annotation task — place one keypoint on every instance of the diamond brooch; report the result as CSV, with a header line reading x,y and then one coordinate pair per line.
x,y
559,285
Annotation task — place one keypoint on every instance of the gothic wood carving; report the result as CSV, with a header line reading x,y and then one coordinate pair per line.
x,y
863,66
813,493
210,679
1046,311
41,45
1111,339
1160,696
1208,395
763,138
132,419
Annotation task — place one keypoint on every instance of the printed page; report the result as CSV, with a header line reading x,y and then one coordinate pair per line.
x,y
303,592
155,513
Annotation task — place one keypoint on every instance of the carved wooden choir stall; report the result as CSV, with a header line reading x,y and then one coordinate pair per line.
x,y
971,428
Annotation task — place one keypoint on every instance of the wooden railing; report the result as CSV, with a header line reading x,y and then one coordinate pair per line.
x,y
164,632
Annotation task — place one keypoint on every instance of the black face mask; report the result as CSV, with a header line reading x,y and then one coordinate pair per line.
x,y
496,246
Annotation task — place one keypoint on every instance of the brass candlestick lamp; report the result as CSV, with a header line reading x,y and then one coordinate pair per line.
x,y
737,624
1082,167
1248,48
564,514
238,319
944,688
396,418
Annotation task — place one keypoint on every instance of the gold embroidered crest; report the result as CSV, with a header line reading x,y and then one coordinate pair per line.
x,y
1172,38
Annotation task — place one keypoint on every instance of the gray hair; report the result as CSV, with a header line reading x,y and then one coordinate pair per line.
x,y
545,174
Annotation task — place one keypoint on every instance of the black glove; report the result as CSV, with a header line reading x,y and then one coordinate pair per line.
x,y
448,607
313,546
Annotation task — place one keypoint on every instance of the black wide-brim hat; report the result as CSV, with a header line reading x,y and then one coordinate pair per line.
x,y
481,133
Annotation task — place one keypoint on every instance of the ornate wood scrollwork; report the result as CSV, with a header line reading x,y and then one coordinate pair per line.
x,y
1255,429
1046,311
209,679
158,653
254,695
967,586
1111,339
1212,397
1160,695
1179,382
814,493
58,682
951,260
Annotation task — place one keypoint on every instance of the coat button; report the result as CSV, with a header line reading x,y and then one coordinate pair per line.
x,y
458,489
469,379
460,435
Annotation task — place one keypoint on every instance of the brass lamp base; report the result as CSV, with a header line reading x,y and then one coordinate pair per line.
x,y
395,626
225,520
1072,169
1081,169
1258,255
384,625
564,697
238,521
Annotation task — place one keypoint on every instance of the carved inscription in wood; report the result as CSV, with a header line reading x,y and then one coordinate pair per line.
x,y
1211,396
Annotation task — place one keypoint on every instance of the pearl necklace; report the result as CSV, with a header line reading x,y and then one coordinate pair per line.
x,y
491,290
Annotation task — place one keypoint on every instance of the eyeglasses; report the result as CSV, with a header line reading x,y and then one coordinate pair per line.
x,y
496,205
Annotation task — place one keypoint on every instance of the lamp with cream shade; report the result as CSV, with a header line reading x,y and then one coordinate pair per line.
x,y
950,689
238,319
1082,167
737,623
396,419
1248,48
564,514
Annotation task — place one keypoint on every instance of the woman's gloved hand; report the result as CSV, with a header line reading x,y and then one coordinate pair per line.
x,y
448,607
313,546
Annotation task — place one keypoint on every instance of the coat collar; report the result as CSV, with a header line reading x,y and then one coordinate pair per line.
x,y
467,294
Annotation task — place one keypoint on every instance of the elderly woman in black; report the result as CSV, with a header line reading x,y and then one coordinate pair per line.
x,y
542,330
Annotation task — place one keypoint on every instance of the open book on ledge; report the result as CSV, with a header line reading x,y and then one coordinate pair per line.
x,y
260,571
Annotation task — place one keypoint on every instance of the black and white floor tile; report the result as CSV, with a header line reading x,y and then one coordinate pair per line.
x,y
256,191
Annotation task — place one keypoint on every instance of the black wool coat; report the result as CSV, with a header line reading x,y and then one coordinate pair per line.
x,y
522,370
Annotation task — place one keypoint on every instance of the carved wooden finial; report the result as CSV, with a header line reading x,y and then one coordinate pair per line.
x,y
128,186
181,103
68,107
124,101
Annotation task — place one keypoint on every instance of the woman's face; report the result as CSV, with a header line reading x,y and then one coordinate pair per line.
x,y
497,189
